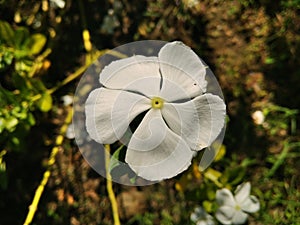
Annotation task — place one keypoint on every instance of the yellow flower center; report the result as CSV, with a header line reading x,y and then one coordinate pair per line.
x,y
237,207
157,103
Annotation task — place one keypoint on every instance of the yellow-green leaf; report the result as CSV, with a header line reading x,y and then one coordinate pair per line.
x,y
207,205
213,175
45,102
11,123
31,119
35,43
6,33
21,34
221,153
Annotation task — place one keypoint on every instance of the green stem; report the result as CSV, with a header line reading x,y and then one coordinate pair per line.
x,y
40,189
109,188
280,160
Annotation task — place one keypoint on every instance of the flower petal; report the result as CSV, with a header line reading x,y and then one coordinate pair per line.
x,y
198,214
172,90
194,217
155,152
251,204
178,63
109,113
198,121
201,217
128,73
225,197
242,192
211,111
225,214
239,217
207,157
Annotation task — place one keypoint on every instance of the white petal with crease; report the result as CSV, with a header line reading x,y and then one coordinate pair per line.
x,y
180,64
224,214
251,204
207,158
225,197
109,113
155,152
123,74
172,91
198,121
242,192
239,217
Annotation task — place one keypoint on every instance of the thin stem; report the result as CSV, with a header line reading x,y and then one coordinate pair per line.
x,y
68,79
82,69
109,188
280,160
85,33
47,173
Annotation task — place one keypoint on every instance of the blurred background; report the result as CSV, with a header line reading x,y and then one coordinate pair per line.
x,y
253,47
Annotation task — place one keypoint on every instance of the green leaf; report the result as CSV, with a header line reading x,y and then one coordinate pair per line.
x,y
2,124
269,60
31,119
221,153
2,163
133,179
5,96
211,194
6,57
35,43
233,176
213,175
11,123
21,35
23,65
117,166
207,205
16,141
45,102
38,85
115,158
6,33
22,84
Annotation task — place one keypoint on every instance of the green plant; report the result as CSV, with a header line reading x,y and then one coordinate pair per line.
x,y
22,90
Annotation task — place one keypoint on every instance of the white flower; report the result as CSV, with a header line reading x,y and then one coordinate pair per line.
x,y
200,217
234,209
67,100
58,3
70,133
258,117
191,3
180,118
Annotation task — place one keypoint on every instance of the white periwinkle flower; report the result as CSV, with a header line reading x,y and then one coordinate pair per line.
x,y
234,209
201,217
58,3
67,100
258,117
70,133
180,118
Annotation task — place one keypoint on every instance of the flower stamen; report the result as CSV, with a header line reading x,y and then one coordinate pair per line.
x,y
237,207
157,103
